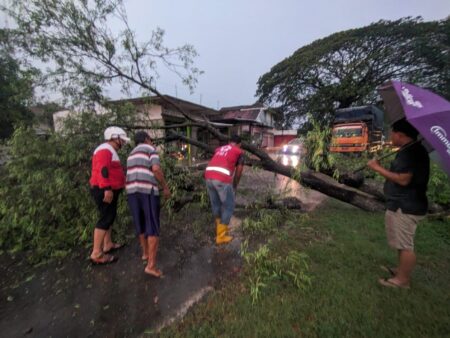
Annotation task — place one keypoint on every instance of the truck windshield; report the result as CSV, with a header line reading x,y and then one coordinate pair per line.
x,y
347,132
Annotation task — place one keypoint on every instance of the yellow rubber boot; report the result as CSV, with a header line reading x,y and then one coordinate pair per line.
x,y
221,232
217,221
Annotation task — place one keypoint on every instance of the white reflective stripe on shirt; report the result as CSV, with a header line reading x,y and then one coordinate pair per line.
x,y
220,170
109,147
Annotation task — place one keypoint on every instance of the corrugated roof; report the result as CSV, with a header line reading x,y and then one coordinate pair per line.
x,y
249,106
189,106
241,114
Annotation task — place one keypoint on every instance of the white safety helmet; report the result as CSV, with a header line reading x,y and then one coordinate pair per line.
x,y
116,132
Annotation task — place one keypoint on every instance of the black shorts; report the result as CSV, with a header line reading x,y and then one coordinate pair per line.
x,y
108,211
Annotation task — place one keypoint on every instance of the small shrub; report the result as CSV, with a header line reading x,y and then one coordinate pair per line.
x,y
265,268
266,223
317,141
439,186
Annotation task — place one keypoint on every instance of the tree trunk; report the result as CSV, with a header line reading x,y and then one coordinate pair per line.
x,y
328,186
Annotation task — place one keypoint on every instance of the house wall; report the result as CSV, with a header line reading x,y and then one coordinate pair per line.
x,y
265,117
59,117
282,137
151,114
281,140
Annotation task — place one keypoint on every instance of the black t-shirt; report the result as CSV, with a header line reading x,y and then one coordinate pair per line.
x,y
411,199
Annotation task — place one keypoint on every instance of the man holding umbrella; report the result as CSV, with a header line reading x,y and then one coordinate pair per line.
x,y
411,110
406,201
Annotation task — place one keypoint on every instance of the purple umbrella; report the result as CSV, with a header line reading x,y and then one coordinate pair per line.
x,y
428,112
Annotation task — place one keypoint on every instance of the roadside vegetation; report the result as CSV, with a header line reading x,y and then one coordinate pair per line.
x,y
335,254
46,210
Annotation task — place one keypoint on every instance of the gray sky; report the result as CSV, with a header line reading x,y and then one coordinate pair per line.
x,y
238,41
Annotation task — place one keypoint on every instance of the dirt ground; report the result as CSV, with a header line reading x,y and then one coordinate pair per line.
x,y
72,298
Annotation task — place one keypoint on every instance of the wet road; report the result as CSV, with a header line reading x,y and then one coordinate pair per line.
x,y
72,298
76,299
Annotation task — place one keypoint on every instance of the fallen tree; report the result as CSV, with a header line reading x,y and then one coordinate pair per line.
x,y
87,54
314,180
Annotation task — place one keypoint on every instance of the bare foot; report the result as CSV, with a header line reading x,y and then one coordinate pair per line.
x,y
144,257
153,272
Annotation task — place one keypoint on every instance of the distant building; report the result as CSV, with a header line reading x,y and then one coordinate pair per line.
x,y
43,117
252,122
282,137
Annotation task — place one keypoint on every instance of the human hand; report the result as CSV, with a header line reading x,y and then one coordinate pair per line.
x,y
108,196
166,193
373,164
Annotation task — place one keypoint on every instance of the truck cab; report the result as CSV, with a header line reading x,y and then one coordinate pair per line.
x,y
349,137
357,129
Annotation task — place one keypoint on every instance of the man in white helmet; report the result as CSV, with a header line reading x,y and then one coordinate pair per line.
x,y
107,181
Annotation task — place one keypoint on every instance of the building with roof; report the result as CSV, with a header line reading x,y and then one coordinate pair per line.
x,y
253,123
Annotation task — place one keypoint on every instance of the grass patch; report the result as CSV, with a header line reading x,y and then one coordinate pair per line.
x,y
345,247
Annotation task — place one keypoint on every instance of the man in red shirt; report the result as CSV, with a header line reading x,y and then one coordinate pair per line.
x,y
221,184
107,181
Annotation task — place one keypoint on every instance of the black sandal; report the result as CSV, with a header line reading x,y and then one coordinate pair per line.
x,y
103,259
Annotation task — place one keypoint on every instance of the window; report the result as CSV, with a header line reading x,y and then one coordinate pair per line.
x,y
347,132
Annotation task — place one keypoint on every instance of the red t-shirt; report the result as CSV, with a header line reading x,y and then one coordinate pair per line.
x,y
222,165
107,171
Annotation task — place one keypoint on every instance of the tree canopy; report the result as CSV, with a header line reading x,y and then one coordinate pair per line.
x,y
83,54
345,68
16,88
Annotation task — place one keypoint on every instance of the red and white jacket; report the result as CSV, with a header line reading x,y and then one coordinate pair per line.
x,y
107,171
222,165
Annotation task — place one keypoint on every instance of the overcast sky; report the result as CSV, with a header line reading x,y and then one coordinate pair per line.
x,y
240,40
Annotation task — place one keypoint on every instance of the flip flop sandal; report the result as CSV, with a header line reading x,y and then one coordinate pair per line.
x,y
103,259
388,270
390,284
114,247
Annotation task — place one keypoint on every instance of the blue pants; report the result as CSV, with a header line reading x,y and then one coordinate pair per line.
x,y
145,209
221,196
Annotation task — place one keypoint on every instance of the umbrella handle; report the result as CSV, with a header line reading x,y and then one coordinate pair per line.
x,y
379,158
388,155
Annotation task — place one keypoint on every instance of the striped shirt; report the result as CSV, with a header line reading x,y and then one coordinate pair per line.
x,y
140,177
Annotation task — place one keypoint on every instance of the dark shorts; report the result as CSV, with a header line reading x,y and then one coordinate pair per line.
x,y
108,211
145,209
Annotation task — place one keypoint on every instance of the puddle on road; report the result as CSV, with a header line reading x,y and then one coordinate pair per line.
x,y
309,198
264,183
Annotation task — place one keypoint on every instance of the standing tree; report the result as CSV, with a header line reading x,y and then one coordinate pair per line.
x,y
83,54
345,68
16,88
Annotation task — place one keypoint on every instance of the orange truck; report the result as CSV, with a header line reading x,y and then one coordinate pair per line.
x,y
357,129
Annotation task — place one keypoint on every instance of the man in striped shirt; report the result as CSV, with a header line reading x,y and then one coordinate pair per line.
x,y
144,176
